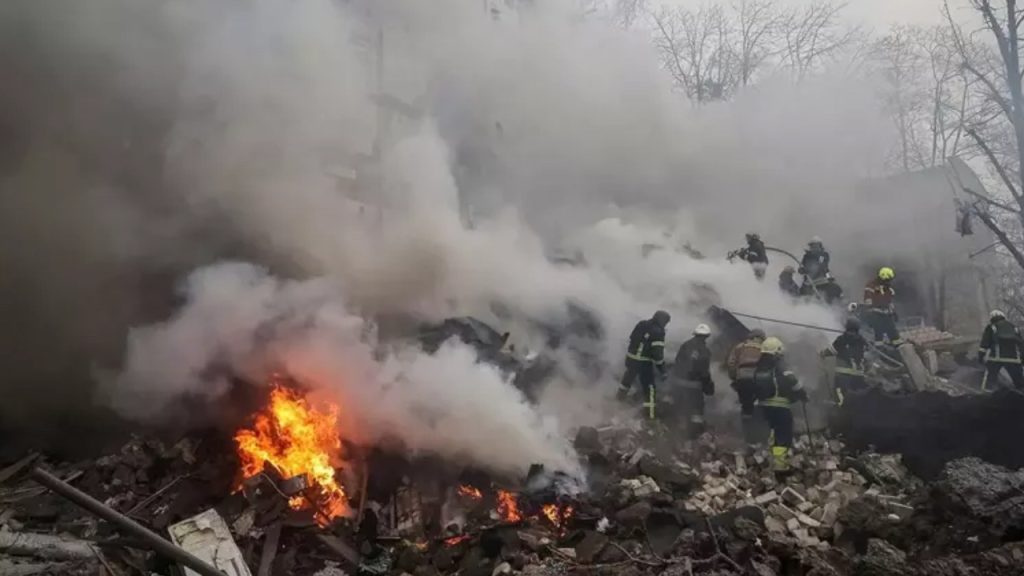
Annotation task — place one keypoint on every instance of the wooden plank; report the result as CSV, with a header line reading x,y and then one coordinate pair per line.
x,y
269,549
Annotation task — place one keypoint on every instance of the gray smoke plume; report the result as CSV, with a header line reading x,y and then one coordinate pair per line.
x,y
212,131
244,322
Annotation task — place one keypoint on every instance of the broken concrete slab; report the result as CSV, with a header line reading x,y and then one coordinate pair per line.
x,y
207,536
985,491
46,546
634,515
590,547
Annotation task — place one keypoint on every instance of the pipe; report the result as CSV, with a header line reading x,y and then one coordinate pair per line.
x,y
811,326
881,353
156,542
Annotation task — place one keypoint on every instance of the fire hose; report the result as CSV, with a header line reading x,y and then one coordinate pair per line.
x,y
814,327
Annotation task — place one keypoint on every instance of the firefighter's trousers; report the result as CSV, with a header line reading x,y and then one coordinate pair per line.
x,y
780,419
644,370
992,369
846,383
883,323
744,388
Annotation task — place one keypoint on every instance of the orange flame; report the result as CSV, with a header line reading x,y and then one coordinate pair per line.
x,y
508,507
456,540
470,492
556,515
297,439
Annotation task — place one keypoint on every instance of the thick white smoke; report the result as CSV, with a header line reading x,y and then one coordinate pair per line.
x,y
545,123
238,321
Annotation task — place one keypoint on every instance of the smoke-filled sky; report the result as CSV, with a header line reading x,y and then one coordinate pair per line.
x,y
174,218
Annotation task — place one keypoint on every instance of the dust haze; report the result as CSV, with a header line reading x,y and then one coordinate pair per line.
x,y
176,203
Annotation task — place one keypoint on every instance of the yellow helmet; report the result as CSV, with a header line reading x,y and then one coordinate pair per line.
x,y
886,273
772,345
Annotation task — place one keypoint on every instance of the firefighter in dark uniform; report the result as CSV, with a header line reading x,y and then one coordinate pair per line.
x,y
645,354
777,389
741,364
787,283
880,309
691,379
1001,348
849,349
756,254
814,267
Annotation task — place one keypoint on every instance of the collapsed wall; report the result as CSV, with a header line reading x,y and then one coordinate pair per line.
x,y
932,428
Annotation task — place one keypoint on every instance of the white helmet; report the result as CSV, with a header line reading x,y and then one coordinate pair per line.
x,y
996,314
702,330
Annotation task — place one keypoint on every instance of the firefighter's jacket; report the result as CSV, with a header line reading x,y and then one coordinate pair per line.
x,y
754,252
647,343
775,385
788,285
849,349
815,264
743,358
693,364
879,296
1001,342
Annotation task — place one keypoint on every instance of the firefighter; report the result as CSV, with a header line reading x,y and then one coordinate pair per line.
x,y
756,254
849,349
1001,349
777,389
831,291
740,365
880,307
786,282
691,374
814,267
645,354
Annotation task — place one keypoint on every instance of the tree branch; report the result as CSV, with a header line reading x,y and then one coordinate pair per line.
x,y
990,155
1004,239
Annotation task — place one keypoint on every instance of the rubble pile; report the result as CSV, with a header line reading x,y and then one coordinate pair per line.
x,y
650,504
930,428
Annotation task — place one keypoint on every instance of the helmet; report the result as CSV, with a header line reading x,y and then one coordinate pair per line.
x,y
772,345
789,270
853,324
996,314
852,307
814,240
757,333
662,317
702,330
886,273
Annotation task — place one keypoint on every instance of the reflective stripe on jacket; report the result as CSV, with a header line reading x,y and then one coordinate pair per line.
x,y
1001,342
647,343
776,386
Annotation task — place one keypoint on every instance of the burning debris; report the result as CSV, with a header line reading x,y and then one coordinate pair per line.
x,y
301,443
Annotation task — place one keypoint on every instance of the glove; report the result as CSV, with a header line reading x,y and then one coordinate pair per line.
x,y
801,270
709,387
981,357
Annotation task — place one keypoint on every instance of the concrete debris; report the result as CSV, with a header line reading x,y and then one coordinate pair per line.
x,y
206,535
985,491
44,546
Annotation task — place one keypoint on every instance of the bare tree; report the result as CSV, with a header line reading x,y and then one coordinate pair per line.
x,y
716,49
696,49
998,128
928,94
758,24
814,33
624,13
